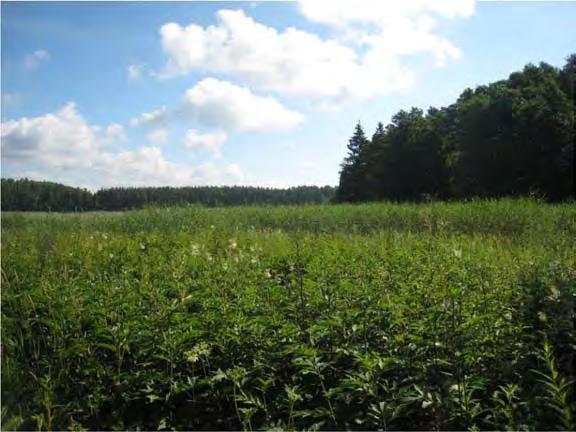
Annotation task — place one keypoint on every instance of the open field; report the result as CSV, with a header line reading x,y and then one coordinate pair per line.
x,y
379,316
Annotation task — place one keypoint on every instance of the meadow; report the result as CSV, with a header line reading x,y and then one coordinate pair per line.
x,y
452,316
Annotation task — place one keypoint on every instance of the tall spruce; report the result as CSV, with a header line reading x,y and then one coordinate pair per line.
x,y
352,185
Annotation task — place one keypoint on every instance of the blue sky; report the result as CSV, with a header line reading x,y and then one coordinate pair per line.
x,y
255,93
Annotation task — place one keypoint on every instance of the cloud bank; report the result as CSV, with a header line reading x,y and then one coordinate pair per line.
x,y
297,62
63,146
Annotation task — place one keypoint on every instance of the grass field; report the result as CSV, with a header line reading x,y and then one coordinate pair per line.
x,y
380,316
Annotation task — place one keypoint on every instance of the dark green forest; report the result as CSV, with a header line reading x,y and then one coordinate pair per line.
x,y
513,137
30,195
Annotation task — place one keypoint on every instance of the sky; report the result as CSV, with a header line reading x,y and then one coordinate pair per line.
x,y
104,94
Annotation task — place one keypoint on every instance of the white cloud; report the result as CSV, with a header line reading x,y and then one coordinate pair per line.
x,y
410,24
158,136
212,141
344,12
222,104
64,147
226,106
147,166
298,62
134,72
59,137
34,60
115,133
290,62
152,118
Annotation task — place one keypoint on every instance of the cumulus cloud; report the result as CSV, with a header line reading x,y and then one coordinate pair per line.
x,y
297,62
344,12
212,141
63,146
226,106
216,103
158,136
56,137
147,166
291,62
411,25
34,60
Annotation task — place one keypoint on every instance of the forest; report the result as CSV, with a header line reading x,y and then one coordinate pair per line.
x,y
513,137
30,195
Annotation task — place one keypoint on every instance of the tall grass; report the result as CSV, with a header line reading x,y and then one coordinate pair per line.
x,y
377,316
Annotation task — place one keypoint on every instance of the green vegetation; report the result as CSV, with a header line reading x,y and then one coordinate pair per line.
x,y
30,195
374,316
514,137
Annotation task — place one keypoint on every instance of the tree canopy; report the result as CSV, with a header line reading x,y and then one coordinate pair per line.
x,y
510,138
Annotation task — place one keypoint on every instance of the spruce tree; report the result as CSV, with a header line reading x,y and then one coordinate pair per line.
x,y
352,176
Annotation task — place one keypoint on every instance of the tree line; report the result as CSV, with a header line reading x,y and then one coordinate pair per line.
x,y
30,195
512,137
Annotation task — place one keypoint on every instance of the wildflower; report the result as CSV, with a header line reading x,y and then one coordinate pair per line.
x,y
201,349
457,253
142,246
232,244
555,294
195,249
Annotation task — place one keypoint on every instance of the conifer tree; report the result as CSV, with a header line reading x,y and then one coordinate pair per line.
x,y
352,176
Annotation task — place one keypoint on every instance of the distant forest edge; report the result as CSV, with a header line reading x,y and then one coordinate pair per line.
x,y
513,137
30,195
